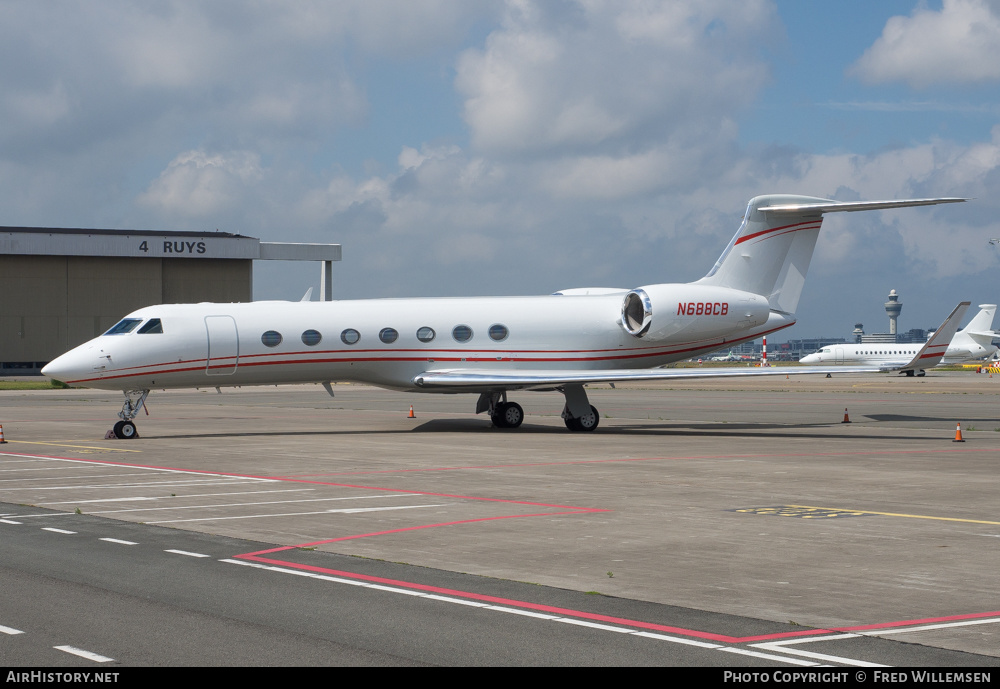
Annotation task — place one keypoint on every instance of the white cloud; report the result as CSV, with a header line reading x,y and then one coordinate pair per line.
x,y
958,44
196,184
600,76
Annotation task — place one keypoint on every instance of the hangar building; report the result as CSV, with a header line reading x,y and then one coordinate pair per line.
x,y
61,287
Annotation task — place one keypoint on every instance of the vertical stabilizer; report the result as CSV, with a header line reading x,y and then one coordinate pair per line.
x,y
770,253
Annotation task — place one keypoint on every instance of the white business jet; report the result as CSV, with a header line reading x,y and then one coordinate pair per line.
x,y
483,345
973,342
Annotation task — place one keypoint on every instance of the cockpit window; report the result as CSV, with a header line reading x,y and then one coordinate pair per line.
x,y
153,325
125,325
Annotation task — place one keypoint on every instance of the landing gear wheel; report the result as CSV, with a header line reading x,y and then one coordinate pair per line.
x,y
512,414
587,422
125,430
508,415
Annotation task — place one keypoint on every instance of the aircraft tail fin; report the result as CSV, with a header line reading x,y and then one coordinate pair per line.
x,y
980,328
934,349
770,253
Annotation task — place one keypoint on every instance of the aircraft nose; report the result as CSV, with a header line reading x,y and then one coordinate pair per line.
x,y
66,367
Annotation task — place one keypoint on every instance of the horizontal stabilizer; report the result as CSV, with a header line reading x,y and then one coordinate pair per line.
x,y
848,206
934,349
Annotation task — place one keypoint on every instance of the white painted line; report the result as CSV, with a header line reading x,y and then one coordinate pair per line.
x,y
519,611
249,504
179,497
286,514
817,656
552,618
158,484
9,630
767,656
184,552
676,640
84,654
458,601
807,640
8,521
926,627
55,530
118,540
594,625
83,502
355,510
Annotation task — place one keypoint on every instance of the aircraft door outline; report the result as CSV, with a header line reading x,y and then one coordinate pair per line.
x,y
223,346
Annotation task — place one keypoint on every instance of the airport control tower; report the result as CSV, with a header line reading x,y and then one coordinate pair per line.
x,y
893,307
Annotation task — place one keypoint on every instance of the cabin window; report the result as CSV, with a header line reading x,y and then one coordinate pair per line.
x,y
388,335
311,338
350,336
152,326
462,333
272,338
425,334
126,325
499,333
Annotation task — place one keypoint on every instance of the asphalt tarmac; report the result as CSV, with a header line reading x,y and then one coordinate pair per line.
x,y
739,514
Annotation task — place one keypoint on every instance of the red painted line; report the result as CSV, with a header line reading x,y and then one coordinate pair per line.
x,y
355,359
807,225
566,612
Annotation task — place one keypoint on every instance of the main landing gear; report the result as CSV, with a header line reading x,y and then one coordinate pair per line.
x,y
578,414
134,401
504,414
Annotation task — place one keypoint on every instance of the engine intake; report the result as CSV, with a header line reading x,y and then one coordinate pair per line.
x,y
656,312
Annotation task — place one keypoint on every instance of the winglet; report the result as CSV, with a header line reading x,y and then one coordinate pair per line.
x,y
934,349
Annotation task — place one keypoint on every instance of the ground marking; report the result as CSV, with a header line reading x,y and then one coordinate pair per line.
x,y
528,613
55,530
184,552
84,654
292,514
83,447
118,540
9,521
9,630
195,495
247,504
781,647
894,514
927,627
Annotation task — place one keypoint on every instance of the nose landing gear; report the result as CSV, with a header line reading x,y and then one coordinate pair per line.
x,y
134,401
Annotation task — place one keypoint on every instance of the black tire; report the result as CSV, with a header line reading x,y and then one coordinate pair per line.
x,y
511,414
587,422
126,430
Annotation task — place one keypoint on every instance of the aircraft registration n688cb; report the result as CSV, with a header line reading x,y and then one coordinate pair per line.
x,y
488,346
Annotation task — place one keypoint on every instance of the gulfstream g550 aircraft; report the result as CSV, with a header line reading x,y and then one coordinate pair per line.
x,y
489,346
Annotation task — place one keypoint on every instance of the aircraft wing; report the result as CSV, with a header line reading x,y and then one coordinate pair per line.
x,y
934,349
526,379
481,379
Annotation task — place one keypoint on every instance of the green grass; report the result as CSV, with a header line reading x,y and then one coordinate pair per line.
x,y
43,384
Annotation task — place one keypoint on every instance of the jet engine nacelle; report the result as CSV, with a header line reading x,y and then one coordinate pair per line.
x,y
657,312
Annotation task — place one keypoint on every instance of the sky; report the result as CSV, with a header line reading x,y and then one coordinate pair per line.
x,y
519,147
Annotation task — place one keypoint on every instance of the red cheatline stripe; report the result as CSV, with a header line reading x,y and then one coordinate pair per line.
x,y
542,359
808,225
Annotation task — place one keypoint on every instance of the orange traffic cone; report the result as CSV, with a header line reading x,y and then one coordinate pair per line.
x,y
411,416
846,419
958,434
2,441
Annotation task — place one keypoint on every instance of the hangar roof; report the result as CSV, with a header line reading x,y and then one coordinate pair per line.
x,y
58,241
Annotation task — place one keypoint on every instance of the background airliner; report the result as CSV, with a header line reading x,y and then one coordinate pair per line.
x,y
973,342
484,345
